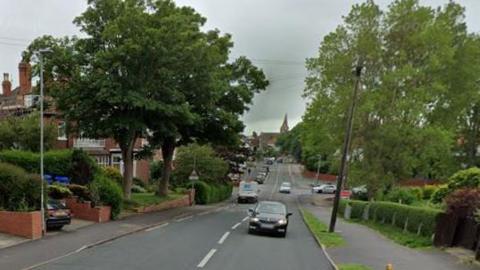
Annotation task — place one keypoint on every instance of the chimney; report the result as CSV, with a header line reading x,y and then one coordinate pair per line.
x,y
25,77
6,85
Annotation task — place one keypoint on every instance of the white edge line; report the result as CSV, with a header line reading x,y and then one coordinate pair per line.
x,y
244,219
184,218
236,225
205,213
224,237
207,257
157,227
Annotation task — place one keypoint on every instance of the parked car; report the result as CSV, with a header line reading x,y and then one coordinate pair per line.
x,y
285,187
247,192
58,215
268,216
324,188
260,178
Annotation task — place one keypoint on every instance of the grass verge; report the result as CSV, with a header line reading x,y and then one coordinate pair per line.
x,y
320,230
353,267
407,239
145,199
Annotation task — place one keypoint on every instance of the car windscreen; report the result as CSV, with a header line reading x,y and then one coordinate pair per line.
x,y
286,184
271,208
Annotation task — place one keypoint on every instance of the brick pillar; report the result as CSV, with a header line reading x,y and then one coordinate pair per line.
x,y
25,77
6,85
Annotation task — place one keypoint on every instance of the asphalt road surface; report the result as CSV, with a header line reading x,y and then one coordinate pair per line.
x,y
216,240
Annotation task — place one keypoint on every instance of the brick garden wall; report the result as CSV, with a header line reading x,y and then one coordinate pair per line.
x,y
84,210
25,224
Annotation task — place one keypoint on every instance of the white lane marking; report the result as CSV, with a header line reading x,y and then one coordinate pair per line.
x,y
276,183
224,236
157,227
204,213
236,225
207,257
244,219
184,218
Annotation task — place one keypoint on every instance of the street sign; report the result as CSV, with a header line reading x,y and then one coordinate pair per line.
x,y
193,176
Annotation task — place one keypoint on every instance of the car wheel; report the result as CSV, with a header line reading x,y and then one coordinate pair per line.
x,y
239,200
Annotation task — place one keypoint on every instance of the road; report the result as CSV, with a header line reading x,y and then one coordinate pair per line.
x,y
217,240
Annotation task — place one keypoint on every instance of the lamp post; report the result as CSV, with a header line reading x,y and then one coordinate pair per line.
x,y
318,168
193,176
346,147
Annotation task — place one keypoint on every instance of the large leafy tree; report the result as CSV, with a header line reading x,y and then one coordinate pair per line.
x,y
410,110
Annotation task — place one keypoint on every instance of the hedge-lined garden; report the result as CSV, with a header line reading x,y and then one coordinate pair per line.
x,y
418,220
208,193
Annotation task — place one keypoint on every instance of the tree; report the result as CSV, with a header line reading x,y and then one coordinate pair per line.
x,y
23,133
409,110
289,143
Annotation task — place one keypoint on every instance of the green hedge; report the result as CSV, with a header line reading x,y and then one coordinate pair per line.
x,y
19,191
396,214
107,192
75,164
342,206
210,193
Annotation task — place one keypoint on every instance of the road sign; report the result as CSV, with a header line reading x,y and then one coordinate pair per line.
x,y
193,176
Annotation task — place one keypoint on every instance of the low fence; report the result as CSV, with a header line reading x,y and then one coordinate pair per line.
x,y
84,210
25,224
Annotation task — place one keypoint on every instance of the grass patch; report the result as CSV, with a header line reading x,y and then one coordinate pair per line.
x,y
145,199
320,230
353,267
407,239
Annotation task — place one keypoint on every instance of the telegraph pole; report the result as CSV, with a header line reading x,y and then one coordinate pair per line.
x,y
346,147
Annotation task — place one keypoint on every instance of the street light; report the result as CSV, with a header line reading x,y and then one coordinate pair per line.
x,y
42,177
194,176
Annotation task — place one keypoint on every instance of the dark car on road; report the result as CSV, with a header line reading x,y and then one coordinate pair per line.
x,y
57,215
269,216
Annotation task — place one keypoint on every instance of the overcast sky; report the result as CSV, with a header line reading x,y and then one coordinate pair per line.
x,y
276,34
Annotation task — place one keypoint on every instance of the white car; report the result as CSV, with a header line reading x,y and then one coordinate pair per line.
x,y
285,187
325,188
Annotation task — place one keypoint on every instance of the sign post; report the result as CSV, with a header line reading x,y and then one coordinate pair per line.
x,y
193,177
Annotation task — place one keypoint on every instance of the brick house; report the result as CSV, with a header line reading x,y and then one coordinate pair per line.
x,y
21,101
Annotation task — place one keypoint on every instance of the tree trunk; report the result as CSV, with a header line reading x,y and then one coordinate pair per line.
x,y
168,147
472,141
127,157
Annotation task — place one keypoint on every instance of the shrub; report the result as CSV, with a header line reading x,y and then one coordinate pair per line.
x,y
113,174
138,189
469,178
156,171
357,208
417,192
440,194
81,192
58,192
202,191
83,168
139,182
211,193
342,205
19,191
463,202
428,191
401,195
107,192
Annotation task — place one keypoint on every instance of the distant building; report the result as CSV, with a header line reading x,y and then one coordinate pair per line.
x,y
270,138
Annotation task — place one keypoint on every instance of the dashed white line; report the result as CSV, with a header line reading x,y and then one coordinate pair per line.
x,y
236,225
184,218
244,219
207,257
157,227
224,237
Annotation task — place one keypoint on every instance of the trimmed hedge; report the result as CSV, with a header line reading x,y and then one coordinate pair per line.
x,y
397,215
106,192
75,164
209,193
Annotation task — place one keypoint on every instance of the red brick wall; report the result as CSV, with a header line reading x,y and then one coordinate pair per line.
x,y
84,210
143,170
25,224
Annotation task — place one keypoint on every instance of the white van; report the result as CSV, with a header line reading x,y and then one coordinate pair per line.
x,y
248,192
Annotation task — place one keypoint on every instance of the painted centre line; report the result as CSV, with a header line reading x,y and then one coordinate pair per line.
x,y
184,218
236,225
207,257
244,219
225,235
157,227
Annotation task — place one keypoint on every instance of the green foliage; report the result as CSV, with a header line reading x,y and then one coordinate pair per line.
x,y
358,207
139,182
353,267
211,193
156,171
342,205
428,191
75,164
58,192
113,174
469,178
402,195
138,189
81,192
107,192
290,144
23,133
320,230
209,167
463,202
19,191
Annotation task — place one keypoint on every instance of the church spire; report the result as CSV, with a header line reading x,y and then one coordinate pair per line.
x,y
284,128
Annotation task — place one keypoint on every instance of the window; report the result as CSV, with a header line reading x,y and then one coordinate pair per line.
x,y
103,161
62,131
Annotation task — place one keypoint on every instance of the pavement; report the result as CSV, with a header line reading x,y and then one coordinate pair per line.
x,y
216,238
367,247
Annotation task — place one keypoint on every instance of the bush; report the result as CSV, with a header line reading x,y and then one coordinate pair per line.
x,y
139,182
58,192
156,171
428,192
211,193
81,192
440,194
357,208
342,206
463,202
76,164
402,195
106,192
113,174
138,189
469,178
19,191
